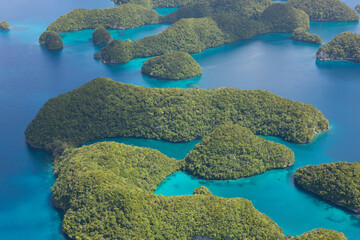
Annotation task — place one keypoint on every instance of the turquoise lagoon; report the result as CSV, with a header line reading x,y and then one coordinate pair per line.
x,y
30,75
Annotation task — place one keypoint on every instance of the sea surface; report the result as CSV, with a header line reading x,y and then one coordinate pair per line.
x,y
30,75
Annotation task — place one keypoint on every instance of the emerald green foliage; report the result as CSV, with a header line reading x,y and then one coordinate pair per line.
x,y
232,152
284,18
101,35
336,182
326,10
51,40
187,35
4,25
345,46
247,8
202,190
161,3
321,234
172,66
301,34
105,190
194,35
104,108
124,16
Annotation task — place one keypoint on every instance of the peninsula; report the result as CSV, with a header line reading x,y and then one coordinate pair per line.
x,y
337,182
232,152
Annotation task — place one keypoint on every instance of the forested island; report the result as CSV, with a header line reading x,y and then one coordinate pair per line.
x,y
121,17
326,10
232,152
104,108
194,35
172,66
338,183
101,35
4,25
51,40
345,47
302,35
105,191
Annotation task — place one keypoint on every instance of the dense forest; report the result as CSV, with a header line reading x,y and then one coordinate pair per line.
x,y
105,190
124,16
232,152
172,66
345,46
194,35
51,40
326,10
302,35
104,108
101,35
336,182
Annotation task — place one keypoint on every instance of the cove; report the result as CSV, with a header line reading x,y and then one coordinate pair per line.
x,y
30,75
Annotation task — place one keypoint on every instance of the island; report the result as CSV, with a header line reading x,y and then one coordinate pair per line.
x,y
302,35
97,55
101,35
326,10
4,25
232,152
344,47
357,7
121,17
51,40
321,234
337,182
172,66
104,108
106,192
194,35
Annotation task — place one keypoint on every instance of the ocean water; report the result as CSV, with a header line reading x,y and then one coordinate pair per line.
x,y
30,75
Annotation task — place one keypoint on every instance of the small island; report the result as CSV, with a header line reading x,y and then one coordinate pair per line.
x,y
302,35
172,66
232,152
321,234
344,47
337,182
51,40
177,115
357,7
101,35
326,10
4,25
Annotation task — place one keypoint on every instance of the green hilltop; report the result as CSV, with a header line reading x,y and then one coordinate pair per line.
x,y
172,66
338,183
232,152
104,108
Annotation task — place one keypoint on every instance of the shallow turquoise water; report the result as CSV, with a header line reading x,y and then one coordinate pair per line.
x,y
30,75
165,11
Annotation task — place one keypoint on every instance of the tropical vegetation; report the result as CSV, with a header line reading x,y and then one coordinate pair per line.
x,y
101,35
124,16
232,152
172,66
326,10
337,182
104,108
321,234
51,40
345,46
302,35
105,191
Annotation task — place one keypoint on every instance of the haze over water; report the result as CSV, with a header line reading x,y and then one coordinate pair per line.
x,y
30,75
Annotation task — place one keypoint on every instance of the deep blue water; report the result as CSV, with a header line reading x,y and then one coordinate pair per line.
x,y
30,75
